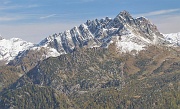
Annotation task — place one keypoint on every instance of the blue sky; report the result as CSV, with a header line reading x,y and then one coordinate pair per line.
x,y
33,20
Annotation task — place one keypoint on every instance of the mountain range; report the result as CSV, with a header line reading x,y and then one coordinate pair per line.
x,y
129,34
120,63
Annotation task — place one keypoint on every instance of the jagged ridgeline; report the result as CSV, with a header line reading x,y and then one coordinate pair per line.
x,y
120,63
129,34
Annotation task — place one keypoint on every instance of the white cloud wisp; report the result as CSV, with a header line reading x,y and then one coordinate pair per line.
x,y
159,12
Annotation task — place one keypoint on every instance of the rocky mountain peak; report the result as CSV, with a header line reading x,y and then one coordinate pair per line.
x,y
124,14
125,18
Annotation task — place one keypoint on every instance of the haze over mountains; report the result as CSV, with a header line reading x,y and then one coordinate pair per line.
x,y
120,63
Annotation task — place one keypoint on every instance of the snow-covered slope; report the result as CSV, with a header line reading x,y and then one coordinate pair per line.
x,y
9,49
173,38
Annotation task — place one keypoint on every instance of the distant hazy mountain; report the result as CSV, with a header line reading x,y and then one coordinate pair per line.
x,y
173,38
9,49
